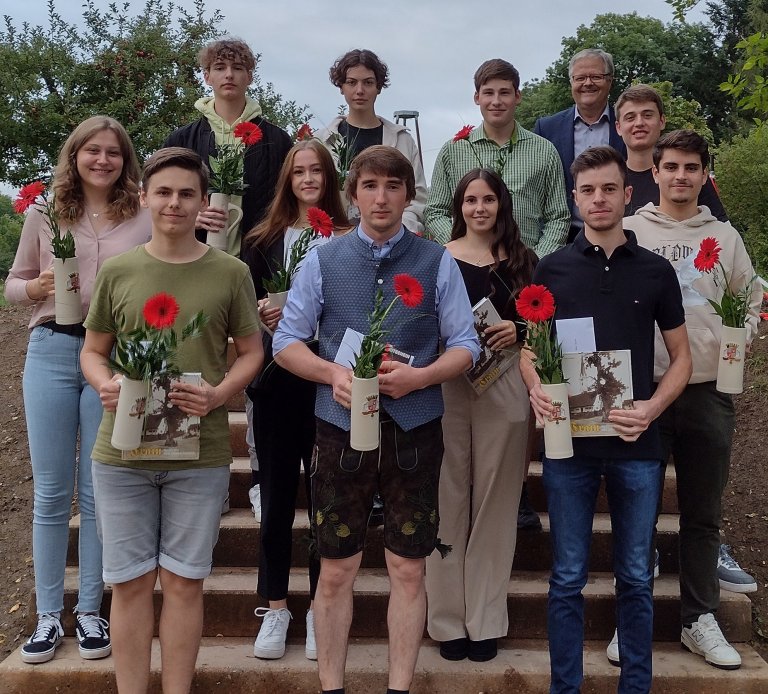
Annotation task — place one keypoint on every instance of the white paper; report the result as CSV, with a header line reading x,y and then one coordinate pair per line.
x,y
576,334
349,348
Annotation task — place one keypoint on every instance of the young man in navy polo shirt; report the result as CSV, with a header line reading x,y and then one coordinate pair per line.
x,y
606,276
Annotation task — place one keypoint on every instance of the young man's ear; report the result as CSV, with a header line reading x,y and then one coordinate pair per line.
x,y
143,197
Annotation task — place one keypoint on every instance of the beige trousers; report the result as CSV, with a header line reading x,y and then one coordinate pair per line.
x,y
485,440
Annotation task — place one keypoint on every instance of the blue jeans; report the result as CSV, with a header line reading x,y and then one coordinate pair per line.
x,y
633,488
58,404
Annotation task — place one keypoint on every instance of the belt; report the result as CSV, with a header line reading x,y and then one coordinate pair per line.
x,y
76,330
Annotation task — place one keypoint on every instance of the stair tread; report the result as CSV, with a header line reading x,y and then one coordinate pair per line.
x,y
520,666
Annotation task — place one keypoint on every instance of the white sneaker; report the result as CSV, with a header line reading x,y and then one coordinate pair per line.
x,y
310,649
254,494
270,643
613,650
705,639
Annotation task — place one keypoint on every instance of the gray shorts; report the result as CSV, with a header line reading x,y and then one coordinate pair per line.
x,y
147,519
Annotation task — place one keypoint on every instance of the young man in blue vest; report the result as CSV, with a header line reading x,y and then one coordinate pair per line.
x,y
335,290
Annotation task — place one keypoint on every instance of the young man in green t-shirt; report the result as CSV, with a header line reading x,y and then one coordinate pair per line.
x,y
160,518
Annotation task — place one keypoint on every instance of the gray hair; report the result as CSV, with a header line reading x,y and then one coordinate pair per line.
x,y
607,59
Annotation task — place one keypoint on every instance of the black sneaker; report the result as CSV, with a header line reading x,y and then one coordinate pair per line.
x,y
92,634
527,518
41,646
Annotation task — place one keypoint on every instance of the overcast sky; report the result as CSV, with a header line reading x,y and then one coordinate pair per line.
x,y
432,47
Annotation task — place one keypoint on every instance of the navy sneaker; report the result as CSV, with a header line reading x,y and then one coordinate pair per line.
x,y
41,646
92,634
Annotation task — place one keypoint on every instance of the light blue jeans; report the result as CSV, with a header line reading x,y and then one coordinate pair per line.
x,y
59,403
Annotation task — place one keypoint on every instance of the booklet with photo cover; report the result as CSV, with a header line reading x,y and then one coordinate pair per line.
x,y
491,364
169,433
598,382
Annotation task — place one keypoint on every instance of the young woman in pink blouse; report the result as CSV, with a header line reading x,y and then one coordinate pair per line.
x,y
95,189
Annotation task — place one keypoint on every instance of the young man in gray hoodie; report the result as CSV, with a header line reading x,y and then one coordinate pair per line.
x,y
697,428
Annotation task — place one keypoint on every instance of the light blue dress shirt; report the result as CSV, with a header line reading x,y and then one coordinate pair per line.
x,y
304,307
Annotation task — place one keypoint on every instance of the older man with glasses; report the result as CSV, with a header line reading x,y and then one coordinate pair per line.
x,y
590,122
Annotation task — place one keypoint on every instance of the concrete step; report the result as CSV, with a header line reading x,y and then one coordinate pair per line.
x,y
227,664
538,496
241,476
239,543
238,425
230,599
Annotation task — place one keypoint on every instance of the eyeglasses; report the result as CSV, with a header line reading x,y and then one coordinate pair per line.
x,y
595,79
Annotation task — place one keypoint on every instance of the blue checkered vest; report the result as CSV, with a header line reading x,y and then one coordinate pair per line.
x,y
351,276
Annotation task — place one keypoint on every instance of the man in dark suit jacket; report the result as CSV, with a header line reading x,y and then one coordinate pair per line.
x,y
590,122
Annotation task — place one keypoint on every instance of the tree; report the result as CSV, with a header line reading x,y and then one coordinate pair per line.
x,y
138,68
10,232
742,176
644,49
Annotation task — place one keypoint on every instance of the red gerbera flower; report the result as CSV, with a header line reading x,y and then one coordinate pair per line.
x,y
27,196
463,134
248,133
320,222
161,310
708,256
535,303
304,133
409,289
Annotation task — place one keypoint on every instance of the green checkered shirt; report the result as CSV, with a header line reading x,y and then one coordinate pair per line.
x,y
533,173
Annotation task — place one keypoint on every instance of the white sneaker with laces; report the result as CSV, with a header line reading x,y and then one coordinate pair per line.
x,y
613,650
254,494
705,639
270,643
310,649
731,576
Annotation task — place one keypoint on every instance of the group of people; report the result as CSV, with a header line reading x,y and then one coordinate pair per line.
x,y
450,467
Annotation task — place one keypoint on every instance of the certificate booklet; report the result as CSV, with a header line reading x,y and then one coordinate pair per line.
x,y
598,382
169,433
491,364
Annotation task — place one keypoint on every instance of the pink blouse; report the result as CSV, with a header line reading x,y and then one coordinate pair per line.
x,y
92,249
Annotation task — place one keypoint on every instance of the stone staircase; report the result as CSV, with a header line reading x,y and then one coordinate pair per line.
x,y
226,661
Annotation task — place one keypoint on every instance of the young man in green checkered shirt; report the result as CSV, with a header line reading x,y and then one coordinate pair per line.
x,y
529,165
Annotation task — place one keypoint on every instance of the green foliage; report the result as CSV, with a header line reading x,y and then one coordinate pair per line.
x,y
683,113
742,177
10,233
644,49
138,65
227,169
749,85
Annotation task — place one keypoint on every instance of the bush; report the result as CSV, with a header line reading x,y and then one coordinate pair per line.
x,y
742,177
10,232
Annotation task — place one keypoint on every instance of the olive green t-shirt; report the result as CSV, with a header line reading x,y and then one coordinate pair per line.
x,y
217,284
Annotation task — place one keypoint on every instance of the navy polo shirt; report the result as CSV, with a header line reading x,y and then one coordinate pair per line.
x,y
626,295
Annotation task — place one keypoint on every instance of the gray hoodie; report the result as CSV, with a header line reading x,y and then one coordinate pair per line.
x,y
679,243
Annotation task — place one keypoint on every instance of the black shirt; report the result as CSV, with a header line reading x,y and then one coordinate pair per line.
x,y
645,190
626,295
358,139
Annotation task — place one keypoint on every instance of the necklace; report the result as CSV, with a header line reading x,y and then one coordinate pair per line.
x,y
95,215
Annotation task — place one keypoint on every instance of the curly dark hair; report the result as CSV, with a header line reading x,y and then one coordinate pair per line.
x,y
355,57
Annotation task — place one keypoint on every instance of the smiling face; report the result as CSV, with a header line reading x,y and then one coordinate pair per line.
x,y
359,89
680,177
100,161
601,197
591,94
228,78
640,124
381,201
174,198
479,207
498,100
307,180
